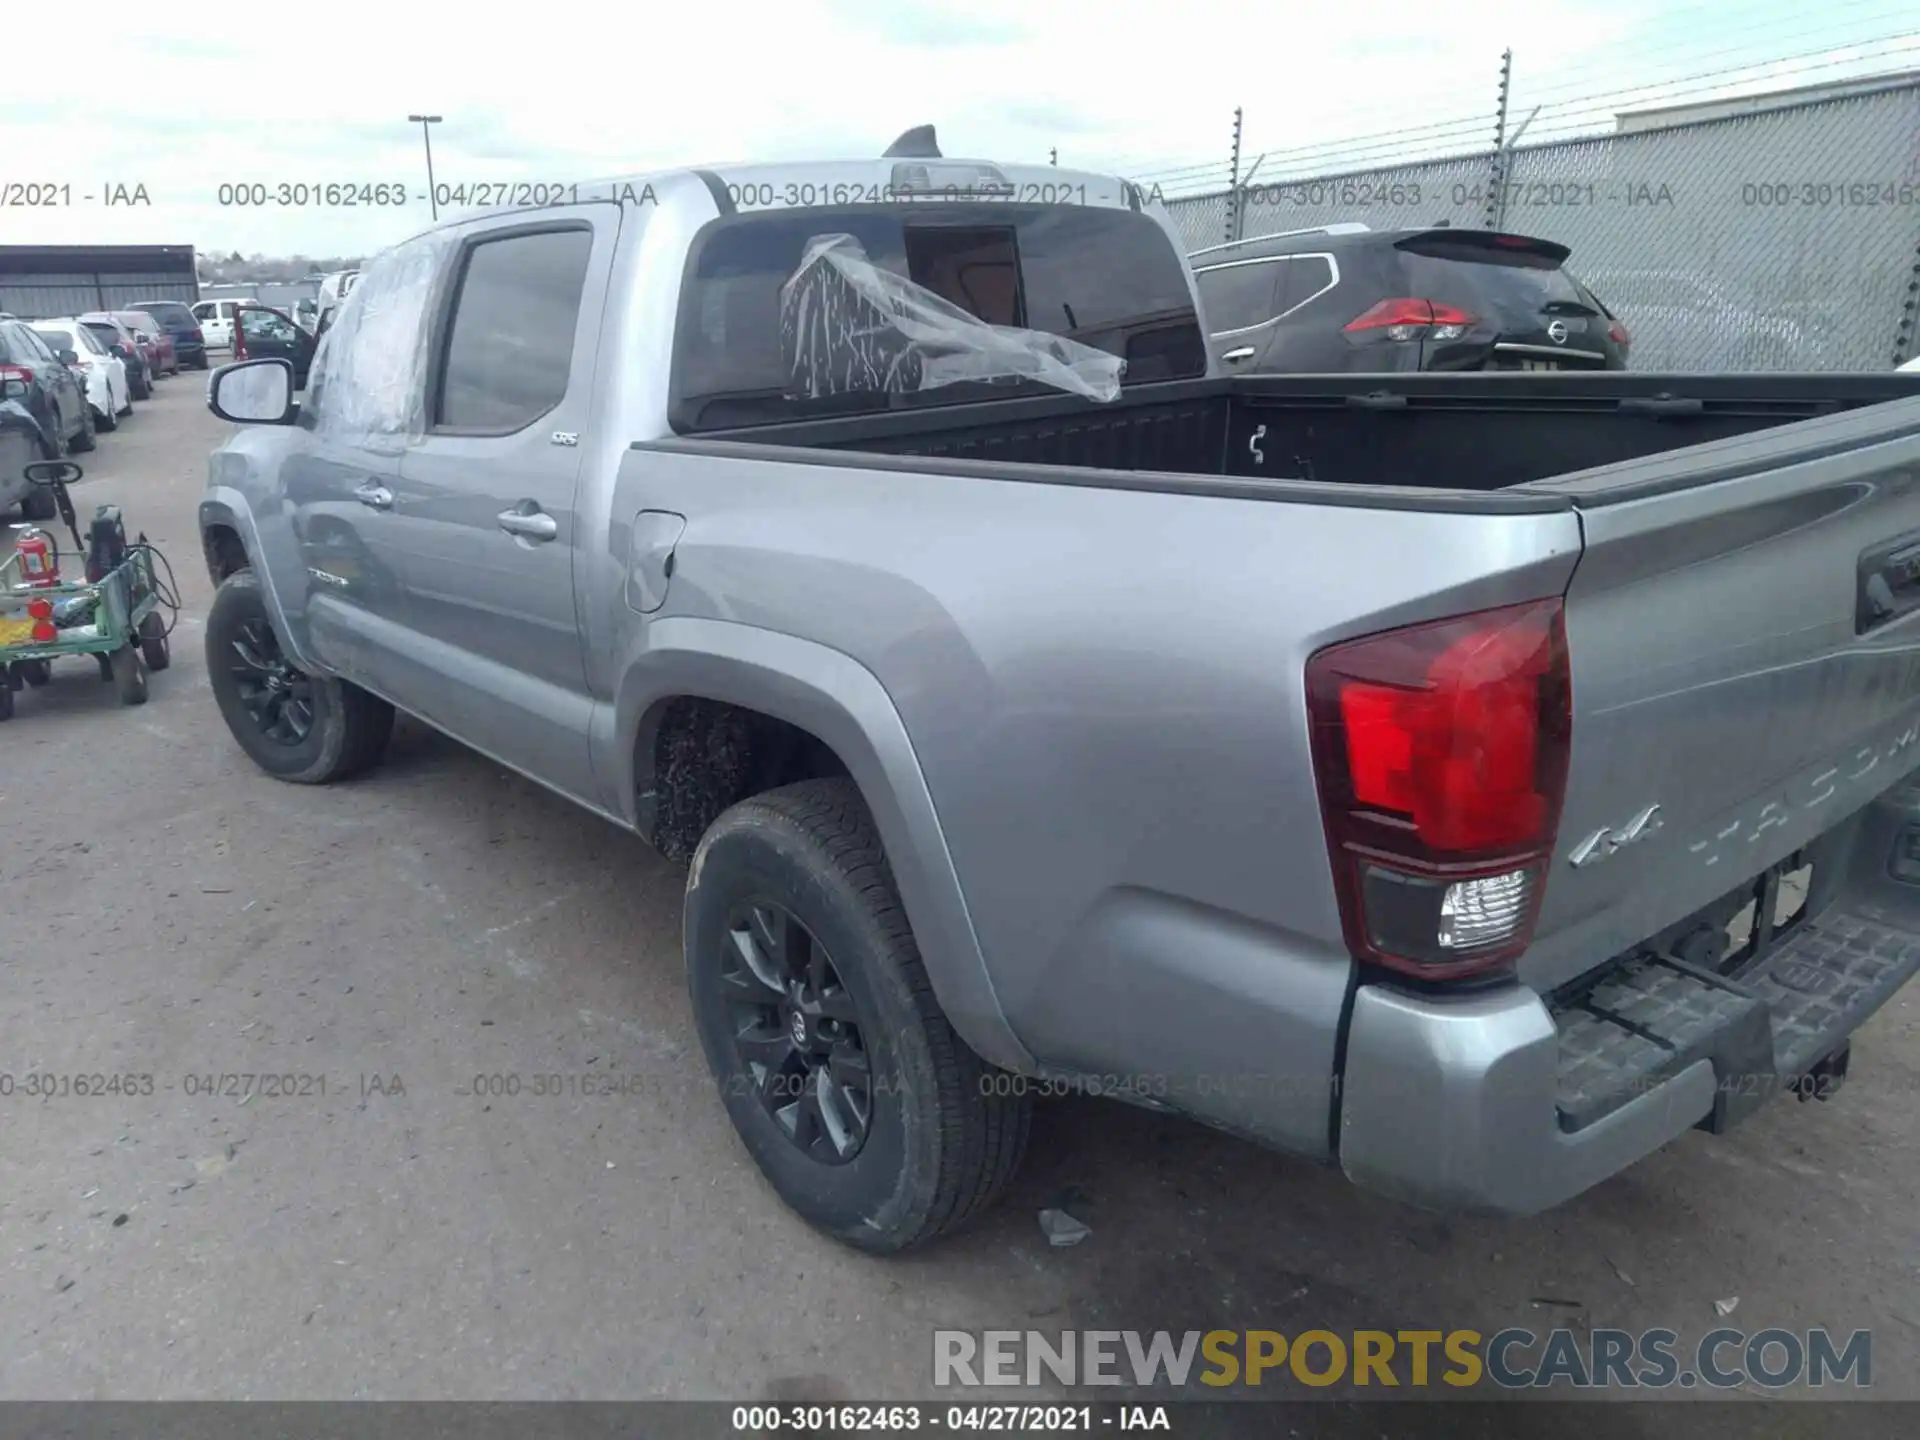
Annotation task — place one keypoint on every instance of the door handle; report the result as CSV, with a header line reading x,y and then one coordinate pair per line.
x,y
378,496
529,522
1234,357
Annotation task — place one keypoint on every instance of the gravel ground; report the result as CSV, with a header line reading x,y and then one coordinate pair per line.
x,y
173,913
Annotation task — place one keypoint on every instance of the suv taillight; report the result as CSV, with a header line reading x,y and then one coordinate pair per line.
x,y
1407,318
1617,333
1441,755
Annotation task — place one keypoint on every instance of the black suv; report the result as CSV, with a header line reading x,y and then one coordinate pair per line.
x,y
1346,298
40,380
189,344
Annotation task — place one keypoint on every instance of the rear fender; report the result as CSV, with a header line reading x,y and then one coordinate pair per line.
x,y
832,696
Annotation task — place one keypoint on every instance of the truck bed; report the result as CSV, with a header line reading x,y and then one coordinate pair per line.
x,y
1414,432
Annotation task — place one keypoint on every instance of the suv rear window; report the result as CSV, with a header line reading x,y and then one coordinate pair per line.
x,y
1111,279
169,312
1510,284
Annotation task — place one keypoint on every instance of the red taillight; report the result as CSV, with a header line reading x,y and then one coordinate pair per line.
x,y
1441,753
1617,333
17,373
1406,318
197,335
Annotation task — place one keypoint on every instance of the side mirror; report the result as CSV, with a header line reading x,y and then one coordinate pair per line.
x,y
53,472
69,357
253,392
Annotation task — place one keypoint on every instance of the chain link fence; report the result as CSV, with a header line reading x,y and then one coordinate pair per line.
x,y
1787,239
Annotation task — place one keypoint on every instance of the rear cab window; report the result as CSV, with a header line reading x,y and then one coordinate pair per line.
x,y
1107,278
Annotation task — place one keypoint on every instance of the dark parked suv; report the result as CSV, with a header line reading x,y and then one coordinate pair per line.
x,y
45,388
1346,298
189,344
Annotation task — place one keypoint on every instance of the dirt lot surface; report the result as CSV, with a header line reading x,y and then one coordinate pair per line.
x,y
377,1229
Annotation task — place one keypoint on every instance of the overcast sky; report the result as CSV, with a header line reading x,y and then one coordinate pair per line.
x,y
279,93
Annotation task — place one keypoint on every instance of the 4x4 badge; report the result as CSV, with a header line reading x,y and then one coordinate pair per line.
x,y
1604,841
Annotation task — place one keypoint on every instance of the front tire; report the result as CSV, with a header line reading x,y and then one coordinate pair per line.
x,y
866,1112
305,729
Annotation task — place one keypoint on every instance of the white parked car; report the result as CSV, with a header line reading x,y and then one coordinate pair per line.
x,y
216,320
1913,364
102,375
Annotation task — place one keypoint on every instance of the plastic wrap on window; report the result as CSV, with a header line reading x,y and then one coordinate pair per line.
x,y
366,380
847,326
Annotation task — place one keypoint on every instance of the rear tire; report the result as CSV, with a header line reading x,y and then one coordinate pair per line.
x,y
106,423
35,672
305,729
939,1140
155,648
129,675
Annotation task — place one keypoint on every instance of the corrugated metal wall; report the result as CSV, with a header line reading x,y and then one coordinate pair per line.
x,y
38,297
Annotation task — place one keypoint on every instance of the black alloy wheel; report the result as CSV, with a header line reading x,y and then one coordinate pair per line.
x,y
277,696
797,1031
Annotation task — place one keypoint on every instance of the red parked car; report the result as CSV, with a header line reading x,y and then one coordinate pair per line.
x,y
155,338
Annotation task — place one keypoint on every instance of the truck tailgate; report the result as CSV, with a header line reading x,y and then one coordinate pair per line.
x,y
1744,631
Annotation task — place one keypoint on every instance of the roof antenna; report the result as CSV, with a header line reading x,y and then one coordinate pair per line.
x,y
915,144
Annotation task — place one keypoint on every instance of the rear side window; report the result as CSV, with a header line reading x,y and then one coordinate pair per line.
x,y
105,334
58,340
1240,296
509,349
1110,279
203,310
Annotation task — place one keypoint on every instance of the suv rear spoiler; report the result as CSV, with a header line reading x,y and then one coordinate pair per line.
x,y
1485,239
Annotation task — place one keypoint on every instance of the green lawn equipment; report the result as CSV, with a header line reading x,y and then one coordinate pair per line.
x,y
114,614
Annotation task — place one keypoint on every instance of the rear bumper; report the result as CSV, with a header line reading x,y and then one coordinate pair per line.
x,y
1504,1103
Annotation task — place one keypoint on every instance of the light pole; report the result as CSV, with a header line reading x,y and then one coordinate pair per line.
x,y
423,121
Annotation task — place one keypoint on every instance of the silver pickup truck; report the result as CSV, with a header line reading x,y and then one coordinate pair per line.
x,y
1471,780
